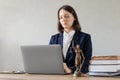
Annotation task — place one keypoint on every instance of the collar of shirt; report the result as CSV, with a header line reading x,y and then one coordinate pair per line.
x,y
69,35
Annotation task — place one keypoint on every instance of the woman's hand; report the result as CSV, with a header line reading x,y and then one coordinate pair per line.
x,y
66,69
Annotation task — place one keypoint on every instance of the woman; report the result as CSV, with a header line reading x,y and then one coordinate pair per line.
x,y
69,33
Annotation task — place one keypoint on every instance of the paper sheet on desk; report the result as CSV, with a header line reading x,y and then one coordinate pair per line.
x,y
10,79
109,74
12,72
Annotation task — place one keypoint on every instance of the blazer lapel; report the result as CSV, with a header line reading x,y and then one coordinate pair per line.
x,y
60,40
76,38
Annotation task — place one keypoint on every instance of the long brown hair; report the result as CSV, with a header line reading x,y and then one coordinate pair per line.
x,y
76,24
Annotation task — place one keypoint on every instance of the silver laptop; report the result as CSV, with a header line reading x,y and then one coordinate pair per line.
x,y
43,59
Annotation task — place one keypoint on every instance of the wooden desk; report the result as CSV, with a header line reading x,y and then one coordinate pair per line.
x,y
50,77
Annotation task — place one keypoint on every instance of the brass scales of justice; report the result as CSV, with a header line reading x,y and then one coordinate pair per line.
x,y
79,60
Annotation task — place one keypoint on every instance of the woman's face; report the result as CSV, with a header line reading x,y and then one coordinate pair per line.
x,y
66,19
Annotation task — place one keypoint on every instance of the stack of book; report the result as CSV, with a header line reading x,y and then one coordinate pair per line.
x,y
105,66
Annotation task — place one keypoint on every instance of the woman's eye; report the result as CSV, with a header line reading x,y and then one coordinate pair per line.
x,y
66,16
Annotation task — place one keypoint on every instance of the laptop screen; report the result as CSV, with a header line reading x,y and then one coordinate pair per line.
x,y
44,59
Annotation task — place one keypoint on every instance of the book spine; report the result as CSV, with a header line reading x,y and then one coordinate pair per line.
x,y
105,62
106,58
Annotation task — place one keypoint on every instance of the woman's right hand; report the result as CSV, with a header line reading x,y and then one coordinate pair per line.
x,y
66,69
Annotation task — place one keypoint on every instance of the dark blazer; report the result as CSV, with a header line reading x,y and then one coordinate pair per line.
x,y
81,38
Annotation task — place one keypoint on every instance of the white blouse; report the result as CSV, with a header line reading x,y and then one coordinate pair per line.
x,y
67,37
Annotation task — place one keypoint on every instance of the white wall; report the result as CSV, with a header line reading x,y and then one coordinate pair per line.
x,y
34,21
